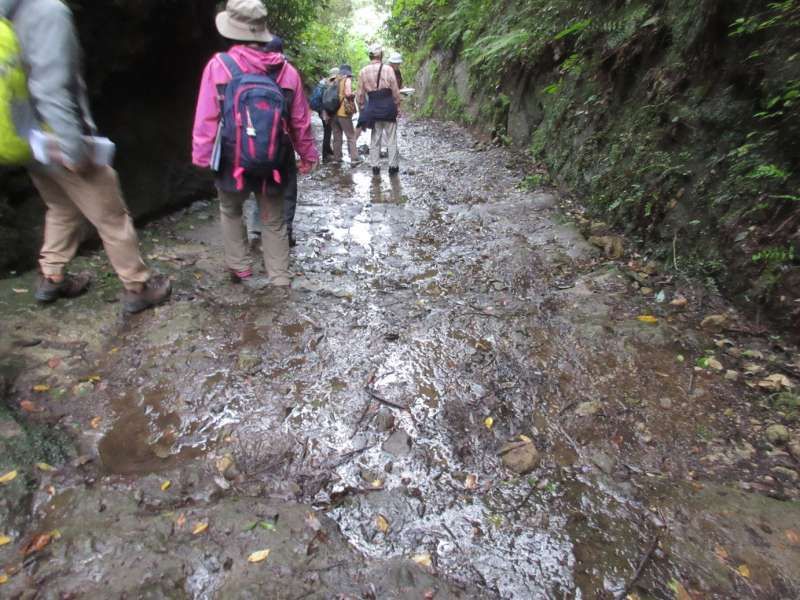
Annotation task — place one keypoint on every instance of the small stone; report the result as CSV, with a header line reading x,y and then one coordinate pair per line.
x,y
714,322
520,457
646,291
777,434
398,444
587,409
604,462
731,375
248,361
665,403
794,449
10,429
786,473
611,245
83,389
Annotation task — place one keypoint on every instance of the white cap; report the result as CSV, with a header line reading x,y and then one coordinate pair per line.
x,y
375,50
396,59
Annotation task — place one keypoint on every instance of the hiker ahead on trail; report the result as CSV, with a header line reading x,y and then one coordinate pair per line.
x,y
342,119
379,100
251,112
316,102
395,60
68,174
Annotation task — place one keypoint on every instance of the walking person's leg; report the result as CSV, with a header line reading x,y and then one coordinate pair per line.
x,y
346,123
234,236
375,146
274,241
337,139
290,197
327,150
98,196
390,128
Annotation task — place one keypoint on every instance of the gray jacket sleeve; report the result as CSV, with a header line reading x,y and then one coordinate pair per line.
x,y
52,52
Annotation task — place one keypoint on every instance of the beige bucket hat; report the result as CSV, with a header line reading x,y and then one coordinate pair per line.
x,y
244,21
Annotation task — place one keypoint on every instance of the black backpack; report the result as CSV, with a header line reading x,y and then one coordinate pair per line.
x,y
330,98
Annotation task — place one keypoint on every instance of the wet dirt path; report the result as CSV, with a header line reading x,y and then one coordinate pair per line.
x,y
457,398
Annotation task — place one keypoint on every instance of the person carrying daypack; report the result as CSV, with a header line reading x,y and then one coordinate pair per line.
x,y
317,106
342,117
249,101
38,39
378,83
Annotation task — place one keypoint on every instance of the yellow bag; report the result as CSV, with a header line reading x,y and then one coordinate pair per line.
x,y
14,150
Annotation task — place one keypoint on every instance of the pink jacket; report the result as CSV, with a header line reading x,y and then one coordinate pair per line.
x,y
251,60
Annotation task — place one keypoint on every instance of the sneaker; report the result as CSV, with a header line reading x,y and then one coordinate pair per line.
x,y
155,292
394,171
70,287
376,170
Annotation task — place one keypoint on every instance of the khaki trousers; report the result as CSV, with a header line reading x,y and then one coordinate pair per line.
x,y
97,197
344,125
389,129
274,239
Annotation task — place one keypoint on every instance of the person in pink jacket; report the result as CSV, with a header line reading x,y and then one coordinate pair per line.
x,y
244,22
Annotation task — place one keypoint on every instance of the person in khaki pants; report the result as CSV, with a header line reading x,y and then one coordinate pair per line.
x,y
72,187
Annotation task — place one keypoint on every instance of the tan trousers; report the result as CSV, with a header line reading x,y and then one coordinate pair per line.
x,y
274,239
344,125
380,129
97,197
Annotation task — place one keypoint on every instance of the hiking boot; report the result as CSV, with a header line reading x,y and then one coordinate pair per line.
x,y
290,234
394,171
155,292
70,287
376,170
240,276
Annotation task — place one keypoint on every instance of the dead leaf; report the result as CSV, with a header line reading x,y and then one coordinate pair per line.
x,y
8,477
5,540
54,363
38,543
489,422
166,485
793,537
471,482
3,578
30,407
382,524
721,553
180,521
714,322
19,290
423,560
113,351
378,483
776,382
714,364
679,302
51,490
744,571
41,388
45,467
95,423
200,528
91,379
259,556
650,319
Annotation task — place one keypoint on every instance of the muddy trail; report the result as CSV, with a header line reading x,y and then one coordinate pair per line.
x,y
460,397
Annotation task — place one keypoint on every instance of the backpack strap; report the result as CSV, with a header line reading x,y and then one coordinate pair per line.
x,y
378,83
12,10
233,67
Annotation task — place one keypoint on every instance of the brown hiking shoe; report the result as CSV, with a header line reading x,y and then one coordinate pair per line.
x,y
155,292
70,287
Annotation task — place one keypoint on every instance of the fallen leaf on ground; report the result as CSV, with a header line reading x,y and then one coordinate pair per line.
x,y
382,524
680,591
54,363
19,290
45,467
39,542
423,560
91,379
3,579
776,382
744,571
180,521
714,364
200,528
489,422
378,483
166,485
95,423
8,477
713,321
647,319
471,482
30,407
721,553
259,556
5,540
679,302
113,351
793,537
41,388
313,522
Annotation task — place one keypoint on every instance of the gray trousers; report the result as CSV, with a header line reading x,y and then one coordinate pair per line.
x,y
380,129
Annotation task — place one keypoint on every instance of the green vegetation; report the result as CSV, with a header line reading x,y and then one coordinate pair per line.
x,y
679,121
